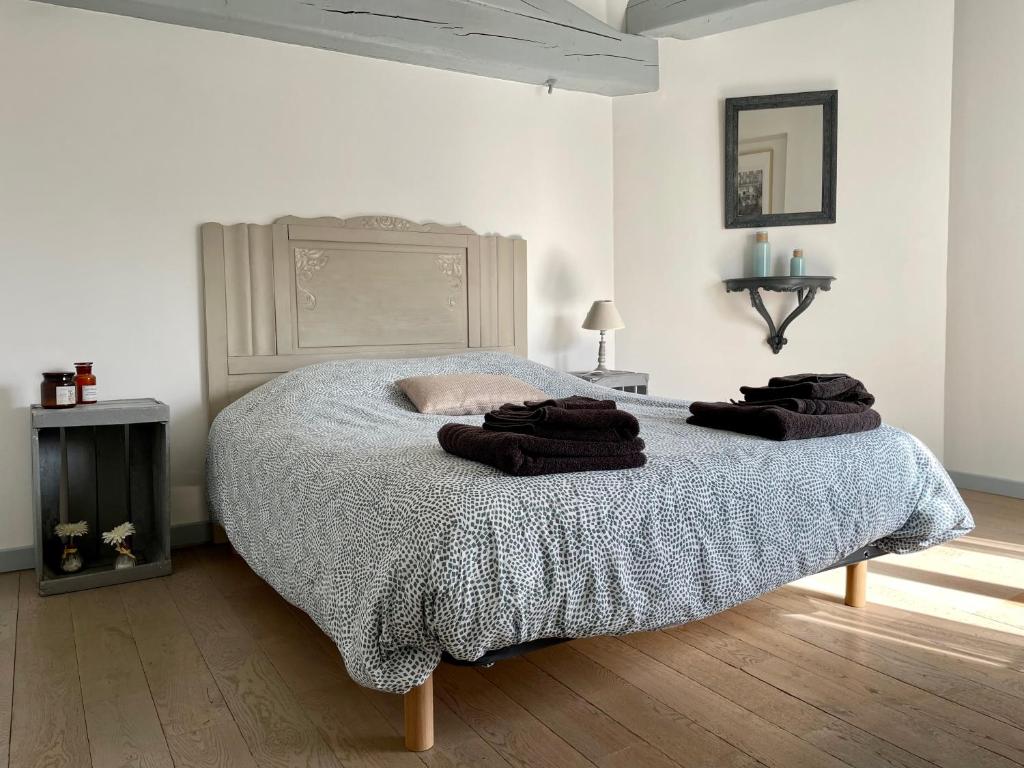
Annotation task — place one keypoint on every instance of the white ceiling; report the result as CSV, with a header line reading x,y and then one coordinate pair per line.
x,y
611,12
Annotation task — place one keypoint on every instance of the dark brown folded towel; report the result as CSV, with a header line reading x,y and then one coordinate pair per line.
x,y
584,424
523,455
813,407
573,403
811,386
777,423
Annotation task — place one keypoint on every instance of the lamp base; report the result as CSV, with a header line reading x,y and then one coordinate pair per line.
x,y
601,359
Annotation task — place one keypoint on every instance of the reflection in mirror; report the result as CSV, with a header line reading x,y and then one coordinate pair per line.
x,y
781,159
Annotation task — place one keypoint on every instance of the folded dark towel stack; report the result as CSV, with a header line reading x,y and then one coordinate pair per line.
x,y
572,434
559,423
811,386
802,405
794,408
520,454
574,403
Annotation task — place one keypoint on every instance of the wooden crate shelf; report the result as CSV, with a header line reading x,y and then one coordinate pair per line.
x,y
105,464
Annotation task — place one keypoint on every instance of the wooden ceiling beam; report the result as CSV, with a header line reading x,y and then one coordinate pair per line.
x,y
529,41
687,19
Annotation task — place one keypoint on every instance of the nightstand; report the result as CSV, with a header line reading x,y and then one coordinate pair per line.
x,y
624,381
104,464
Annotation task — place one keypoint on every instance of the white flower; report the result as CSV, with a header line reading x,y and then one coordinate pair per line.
x,y
118,534
71,529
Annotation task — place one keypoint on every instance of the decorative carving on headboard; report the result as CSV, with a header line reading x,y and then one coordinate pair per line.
x,y
451,266
385,223
388,222
308,262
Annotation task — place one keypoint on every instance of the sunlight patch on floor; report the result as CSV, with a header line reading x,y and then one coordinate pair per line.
x,y
973,613
874,634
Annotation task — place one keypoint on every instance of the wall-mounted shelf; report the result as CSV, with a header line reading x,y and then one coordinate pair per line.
x,y
806,288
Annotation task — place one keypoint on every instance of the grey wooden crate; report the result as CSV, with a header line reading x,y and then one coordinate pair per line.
x,y
103,463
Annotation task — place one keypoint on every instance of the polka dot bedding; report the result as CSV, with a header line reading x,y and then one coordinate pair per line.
x,y
335,490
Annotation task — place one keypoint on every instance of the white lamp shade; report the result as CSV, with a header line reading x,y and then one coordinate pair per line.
x,y
603,316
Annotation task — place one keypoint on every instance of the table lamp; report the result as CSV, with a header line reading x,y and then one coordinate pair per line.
x,y
603,316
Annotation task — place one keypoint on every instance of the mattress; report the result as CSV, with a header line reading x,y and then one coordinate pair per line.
x,y
335,491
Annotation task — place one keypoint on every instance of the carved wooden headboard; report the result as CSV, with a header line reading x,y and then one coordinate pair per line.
x,y
300,291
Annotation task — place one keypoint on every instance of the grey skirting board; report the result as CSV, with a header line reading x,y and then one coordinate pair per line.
x,y
997,485
182,535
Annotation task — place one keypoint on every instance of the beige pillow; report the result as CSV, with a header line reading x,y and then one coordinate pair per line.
x,y
466,394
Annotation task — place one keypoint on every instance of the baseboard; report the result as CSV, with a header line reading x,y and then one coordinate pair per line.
x,y
997,485
190,534
17,559
182,535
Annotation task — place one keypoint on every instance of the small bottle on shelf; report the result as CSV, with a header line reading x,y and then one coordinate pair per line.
x,y
85,384
57,390
762,263
797,267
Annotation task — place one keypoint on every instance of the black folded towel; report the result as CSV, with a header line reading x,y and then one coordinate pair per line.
x,y
578,424
811,386
523,455
777,423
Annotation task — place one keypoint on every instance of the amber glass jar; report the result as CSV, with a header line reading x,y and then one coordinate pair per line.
x,y
85,384
57,390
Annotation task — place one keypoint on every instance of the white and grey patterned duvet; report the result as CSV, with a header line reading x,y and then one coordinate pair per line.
x,y
335,491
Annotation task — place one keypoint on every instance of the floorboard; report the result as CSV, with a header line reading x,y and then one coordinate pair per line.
x,y
516,735
673,733
122,723
742,642
926,668
48,716
273,724
757,737
832,735
8,635
579,723
872,702
196,721
210,668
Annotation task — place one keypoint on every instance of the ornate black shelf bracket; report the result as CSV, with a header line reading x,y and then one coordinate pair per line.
x,y
805,288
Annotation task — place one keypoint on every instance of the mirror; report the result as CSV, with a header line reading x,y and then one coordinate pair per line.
x,y
780,159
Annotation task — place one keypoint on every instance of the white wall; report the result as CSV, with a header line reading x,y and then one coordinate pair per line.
x,y
119,137
884,320
984,409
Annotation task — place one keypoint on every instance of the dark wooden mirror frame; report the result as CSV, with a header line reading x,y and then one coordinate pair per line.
x,y
829,101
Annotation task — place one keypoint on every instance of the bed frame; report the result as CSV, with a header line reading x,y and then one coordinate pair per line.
x,y
299,291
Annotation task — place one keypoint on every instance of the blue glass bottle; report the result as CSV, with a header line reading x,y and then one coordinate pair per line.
x,y
762,263
797,267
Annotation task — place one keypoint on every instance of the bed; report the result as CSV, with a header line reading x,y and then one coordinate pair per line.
x,y
335,491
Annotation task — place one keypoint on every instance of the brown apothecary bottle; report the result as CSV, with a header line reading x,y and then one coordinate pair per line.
x,y
85,384
57,390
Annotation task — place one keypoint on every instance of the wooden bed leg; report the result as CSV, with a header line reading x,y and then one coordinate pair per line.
x,y
419,717
857,584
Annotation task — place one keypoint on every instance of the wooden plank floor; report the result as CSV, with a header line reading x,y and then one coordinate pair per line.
x,y
209,667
